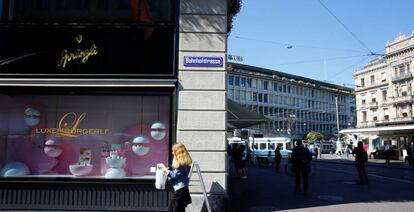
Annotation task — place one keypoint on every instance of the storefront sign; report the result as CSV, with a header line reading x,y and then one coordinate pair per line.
x,y
89,51
68,126
203,61
78,54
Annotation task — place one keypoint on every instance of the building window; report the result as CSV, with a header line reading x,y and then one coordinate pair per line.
x,y
384,95
243,82
248,82
265,85
265,98
373,100
402,69
260,97
254,96
364,116
375,115
362,82
383,77
237,81
404,90
363,100
386,114
231,80
274,86
288,88
284,88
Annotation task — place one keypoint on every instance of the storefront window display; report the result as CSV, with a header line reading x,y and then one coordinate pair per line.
x,y
79,136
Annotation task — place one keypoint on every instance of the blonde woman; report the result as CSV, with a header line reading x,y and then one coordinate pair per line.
x,y
178,175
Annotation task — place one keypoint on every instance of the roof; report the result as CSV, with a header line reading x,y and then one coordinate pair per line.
x,y
378,129
291,76
239,117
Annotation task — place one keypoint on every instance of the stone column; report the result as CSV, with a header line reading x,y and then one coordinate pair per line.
x,y
201,121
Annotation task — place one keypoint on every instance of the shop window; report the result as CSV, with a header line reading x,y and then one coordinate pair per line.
x,y
89,11
76,136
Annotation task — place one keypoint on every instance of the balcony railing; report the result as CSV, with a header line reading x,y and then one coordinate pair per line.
x,y
366,124
403,119
400,77
403,99
372,104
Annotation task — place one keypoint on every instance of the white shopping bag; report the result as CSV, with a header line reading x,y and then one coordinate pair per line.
x,y
160,178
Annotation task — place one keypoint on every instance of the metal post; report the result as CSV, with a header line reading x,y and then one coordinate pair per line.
x,y
338,143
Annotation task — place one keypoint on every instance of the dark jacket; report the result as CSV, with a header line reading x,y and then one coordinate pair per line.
x,y
301,157
361,157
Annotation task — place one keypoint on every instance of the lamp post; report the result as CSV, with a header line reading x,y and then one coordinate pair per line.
x,y
338,142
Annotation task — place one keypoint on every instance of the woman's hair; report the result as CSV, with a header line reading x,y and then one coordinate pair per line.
x,y
181,156
360,144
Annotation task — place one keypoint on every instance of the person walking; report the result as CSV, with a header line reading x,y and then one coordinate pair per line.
x,y
387,153
409,154
236,155
361,157
278,158
178,175
301,158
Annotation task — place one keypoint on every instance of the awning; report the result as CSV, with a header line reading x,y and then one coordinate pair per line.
x,y
379,129
239,117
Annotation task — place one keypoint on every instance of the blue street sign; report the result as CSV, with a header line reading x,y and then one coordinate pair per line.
x,y
193,61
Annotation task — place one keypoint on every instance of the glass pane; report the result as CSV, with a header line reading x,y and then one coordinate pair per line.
x,y
271,146
262,146
141,11
99,136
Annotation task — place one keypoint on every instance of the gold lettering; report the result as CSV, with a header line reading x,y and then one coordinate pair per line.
x,y
68,126
83,55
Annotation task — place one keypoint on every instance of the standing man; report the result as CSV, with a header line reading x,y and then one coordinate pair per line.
x,y
387,152
301,158
409,154
361,157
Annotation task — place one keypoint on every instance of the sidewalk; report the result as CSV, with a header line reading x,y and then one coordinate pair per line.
x,y
397,164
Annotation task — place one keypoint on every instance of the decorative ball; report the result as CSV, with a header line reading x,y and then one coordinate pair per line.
x,y
158,131
15,169
52,148
31,117
140,145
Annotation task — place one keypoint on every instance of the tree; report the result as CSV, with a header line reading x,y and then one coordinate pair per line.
x,y
314,136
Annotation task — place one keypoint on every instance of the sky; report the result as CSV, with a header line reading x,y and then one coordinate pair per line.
x,y
304,38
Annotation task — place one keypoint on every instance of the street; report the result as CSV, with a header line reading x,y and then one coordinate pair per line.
x,y
332,187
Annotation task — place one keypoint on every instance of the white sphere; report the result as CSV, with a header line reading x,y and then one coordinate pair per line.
x,y
52,148
158,131
15,169
139,145
31,117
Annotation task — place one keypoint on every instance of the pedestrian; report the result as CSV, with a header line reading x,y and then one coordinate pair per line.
x,y
243,161
316,151
278,158
361,157
301,158
387,152
236,155
248,155
178,175
409,154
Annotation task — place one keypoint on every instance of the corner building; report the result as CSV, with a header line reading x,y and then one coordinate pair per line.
x,y
94,94
384,97
293,104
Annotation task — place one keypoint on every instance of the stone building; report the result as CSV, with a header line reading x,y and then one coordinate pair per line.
x,y
384,96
